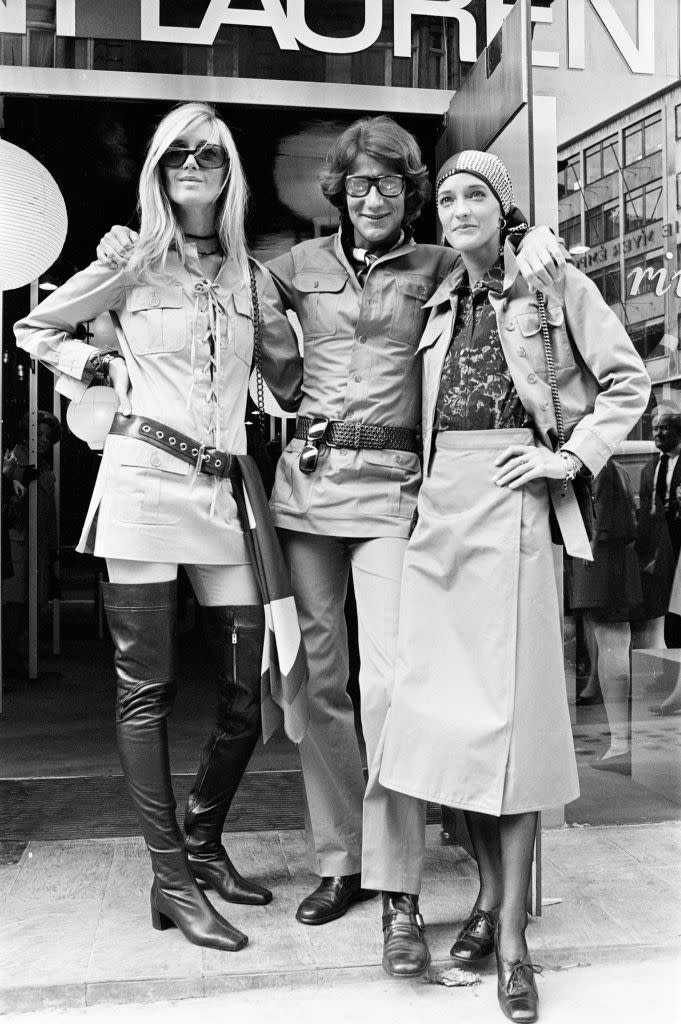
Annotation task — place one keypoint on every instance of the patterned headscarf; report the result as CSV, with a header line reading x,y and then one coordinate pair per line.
x,y
485,166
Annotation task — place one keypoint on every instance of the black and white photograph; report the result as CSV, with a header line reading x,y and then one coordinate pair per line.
x,y
340,669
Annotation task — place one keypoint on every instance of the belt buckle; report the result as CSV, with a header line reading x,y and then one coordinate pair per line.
x,y
202,457
316,435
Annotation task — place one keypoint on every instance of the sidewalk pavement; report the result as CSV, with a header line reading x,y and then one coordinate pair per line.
x,y
75,928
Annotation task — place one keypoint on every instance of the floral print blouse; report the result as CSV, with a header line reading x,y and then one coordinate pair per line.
x,y
476,389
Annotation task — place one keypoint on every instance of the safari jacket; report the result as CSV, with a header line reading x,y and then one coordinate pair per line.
x,y
360,363
146,502
603,384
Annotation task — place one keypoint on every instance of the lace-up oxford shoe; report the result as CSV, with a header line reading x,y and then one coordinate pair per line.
x,y
517,989
476,939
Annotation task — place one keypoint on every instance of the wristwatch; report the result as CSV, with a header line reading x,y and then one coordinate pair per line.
x,y
100,360
572,467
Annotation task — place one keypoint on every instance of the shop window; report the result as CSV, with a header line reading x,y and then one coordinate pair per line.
x,y
643,206
652,268
569,175
678,191
602,223
643,138
12,49
647,337
612,291
571,232
601,159
41,47
677,113
608,284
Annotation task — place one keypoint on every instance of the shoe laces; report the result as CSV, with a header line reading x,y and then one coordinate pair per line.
x,y
476,918
515,978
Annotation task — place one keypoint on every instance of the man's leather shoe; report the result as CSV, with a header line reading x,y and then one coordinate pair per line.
x,y
405,950
516,989
476,938
332,898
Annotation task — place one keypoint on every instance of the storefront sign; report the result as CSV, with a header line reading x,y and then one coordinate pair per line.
x,y
148,20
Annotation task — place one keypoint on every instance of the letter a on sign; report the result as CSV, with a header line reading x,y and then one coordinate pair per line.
x,y
219,13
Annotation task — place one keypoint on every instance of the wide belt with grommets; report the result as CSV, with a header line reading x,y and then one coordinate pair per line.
x,y
204,458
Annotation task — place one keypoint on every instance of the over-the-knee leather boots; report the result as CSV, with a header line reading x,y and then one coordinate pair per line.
x,y
142,620
235,638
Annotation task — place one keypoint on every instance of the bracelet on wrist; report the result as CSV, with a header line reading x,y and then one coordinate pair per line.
x,y
571,467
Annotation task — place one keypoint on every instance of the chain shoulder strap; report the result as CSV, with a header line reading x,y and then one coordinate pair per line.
x,y
551,367
257,350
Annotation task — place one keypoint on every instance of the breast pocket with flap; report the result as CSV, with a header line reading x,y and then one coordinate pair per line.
x,y
156,320
319,299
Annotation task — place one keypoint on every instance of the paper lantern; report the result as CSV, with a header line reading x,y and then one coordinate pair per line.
x,y
33,218
91,418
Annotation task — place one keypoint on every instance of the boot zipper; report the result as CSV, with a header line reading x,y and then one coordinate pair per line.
x,y
235,641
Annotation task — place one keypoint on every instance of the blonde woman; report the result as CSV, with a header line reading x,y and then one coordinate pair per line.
x,y
183,306
479,717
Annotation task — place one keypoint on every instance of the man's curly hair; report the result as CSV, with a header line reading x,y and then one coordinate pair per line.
x,y
384,140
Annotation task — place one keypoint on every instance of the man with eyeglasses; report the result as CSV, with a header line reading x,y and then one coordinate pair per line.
x,y
344,498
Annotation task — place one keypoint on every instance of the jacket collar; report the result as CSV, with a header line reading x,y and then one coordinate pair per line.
x,y
451,283
407,245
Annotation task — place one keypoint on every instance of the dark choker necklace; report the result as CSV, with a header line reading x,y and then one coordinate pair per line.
x,y
213,234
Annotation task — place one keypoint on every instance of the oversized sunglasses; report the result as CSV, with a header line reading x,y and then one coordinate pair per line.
x,y
316,435
357,185
205,155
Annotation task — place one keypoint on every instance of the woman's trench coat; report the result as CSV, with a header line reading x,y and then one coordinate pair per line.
x,y
603,384
479,716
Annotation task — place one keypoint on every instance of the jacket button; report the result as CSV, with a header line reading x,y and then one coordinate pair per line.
x,y
358,380
531,377
316,284
155,460
155,300
522,352
342,451
398,459
510,326
545,405
362,339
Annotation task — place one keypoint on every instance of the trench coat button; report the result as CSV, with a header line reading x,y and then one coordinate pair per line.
x,y
510,326
522,351
531,377
358,379
545,406
316,284
342,451
398,459
154,300
362,339
155,460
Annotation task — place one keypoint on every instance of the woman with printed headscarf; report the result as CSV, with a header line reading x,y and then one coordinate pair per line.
x,y
479,717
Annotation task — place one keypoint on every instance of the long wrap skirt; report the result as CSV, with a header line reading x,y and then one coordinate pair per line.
x,y
479,717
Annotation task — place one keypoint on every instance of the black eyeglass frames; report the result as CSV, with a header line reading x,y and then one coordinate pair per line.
x,y
389,185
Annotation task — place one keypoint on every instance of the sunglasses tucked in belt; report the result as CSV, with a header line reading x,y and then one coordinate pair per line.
x,y
358,185
318,430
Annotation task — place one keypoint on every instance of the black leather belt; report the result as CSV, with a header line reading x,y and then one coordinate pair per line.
x,y
351,434
207,460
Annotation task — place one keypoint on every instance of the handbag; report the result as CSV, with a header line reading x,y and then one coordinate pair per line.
x,y
263,452
581,484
